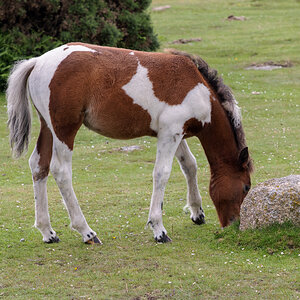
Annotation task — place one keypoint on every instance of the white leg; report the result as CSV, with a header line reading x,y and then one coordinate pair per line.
x,y
42,218
166,148
61,168
188,166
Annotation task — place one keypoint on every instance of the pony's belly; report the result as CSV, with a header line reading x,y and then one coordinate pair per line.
x,y
120,122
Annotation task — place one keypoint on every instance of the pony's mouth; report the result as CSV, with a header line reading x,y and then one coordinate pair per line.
x,y
230,221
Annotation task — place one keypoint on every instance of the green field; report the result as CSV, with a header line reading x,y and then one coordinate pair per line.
x,y
114,187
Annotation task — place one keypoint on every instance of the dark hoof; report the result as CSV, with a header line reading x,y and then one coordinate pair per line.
x,y
163,238
53,239
93,241
200,220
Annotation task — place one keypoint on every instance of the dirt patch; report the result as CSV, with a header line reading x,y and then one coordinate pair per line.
x,y
236,18
186,41
269,66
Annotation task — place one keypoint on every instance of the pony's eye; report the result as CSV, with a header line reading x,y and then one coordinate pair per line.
x,y
246,188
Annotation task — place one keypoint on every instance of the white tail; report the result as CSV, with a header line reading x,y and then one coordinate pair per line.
x,y
18,106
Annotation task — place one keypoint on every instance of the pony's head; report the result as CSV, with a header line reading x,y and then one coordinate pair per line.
x,y
229,189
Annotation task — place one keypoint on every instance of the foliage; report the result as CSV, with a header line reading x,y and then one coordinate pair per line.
x,y
29,28
16,46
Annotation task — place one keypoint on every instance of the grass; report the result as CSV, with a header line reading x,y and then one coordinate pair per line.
x,y
114,188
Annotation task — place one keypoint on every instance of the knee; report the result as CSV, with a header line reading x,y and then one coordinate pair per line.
x,y
161,175
34,161
59,172
190,167
193,167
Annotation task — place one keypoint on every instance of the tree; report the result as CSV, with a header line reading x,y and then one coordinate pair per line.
x,y
31,27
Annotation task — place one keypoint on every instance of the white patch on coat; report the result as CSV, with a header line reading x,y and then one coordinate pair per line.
x,y
42,74
234,110
196,103
34,162
131,53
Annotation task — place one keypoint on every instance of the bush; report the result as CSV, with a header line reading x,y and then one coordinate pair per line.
x,y
16,46
30,28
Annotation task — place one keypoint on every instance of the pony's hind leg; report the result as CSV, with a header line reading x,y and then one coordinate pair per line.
x,y
61,169
39,163
188,166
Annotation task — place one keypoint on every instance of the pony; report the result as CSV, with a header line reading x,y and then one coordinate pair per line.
x,y
125,94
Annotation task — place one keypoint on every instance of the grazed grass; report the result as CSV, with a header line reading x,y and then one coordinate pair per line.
x,y
114,187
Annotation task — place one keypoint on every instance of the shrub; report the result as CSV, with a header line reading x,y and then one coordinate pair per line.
x,y
30,28
16,46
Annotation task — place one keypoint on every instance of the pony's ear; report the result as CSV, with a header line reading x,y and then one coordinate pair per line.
x,y
244,157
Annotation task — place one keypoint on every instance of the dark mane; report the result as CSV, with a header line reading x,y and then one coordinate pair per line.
x,y
226,97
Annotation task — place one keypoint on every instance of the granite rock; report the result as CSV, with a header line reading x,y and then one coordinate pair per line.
x,y
274,201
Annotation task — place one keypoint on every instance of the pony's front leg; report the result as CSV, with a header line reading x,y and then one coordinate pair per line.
x,y
166,148
61,168
188,166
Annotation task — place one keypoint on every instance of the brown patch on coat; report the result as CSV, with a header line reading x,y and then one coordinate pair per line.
x,y
191,127
172,76
217,138
89,87
67,101
44,149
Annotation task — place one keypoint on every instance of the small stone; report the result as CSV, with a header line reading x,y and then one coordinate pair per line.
x,y
236,18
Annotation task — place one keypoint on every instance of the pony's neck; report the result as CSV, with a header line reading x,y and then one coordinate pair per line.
x,y
218,141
